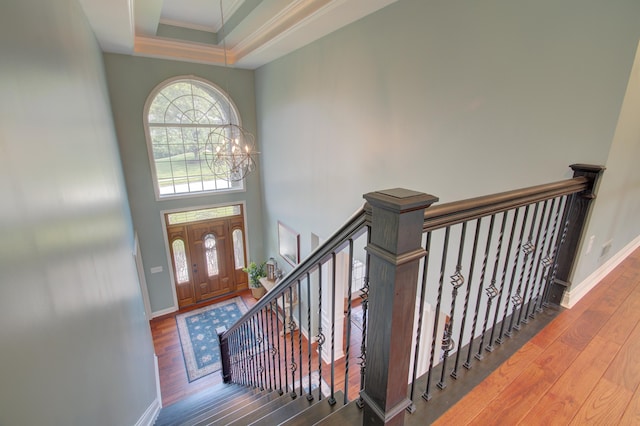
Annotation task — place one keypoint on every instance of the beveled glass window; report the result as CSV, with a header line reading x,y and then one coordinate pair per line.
x,y
211,253
180,115
238,249
180,261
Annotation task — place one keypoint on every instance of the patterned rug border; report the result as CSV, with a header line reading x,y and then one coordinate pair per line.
x,y
191,365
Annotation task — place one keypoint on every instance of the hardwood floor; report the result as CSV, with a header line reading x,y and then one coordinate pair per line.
x,y
175,386
583,368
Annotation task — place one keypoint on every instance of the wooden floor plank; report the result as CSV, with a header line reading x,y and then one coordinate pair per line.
x,y
621,324
563,400
605,405
632,412
473,403
515,400
625,369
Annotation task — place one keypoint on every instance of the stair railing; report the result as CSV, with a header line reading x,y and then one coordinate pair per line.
x,y
507,256
287,341
484,267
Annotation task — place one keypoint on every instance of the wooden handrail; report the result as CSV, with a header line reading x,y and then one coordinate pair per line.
x,y
448,214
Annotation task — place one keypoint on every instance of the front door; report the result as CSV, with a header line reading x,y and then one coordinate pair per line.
x,y
211,258
207,255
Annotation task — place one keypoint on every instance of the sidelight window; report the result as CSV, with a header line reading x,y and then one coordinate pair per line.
x,y
238,249
180,261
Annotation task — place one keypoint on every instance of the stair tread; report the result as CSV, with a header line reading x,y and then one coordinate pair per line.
x,y
268,408
349,414
219,394
216,411
241,409
287,411
316,412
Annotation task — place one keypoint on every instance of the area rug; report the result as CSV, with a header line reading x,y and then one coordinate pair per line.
x,y
198,337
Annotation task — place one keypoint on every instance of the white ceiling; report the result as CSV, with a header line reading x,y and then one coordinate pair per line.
x,y
255,31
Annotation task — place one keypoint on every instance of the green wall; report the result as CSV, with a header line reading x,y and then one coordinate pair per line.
x,y
454,98
76,347
131,80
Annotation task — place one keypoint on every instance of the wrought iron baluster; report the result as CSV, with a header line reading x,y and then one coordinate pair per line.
x,y
272,345
243,356
263,356
242,336
252,360
476,312
256,355
500,339
474,250
427,395
531,284
237,374
284,341
548,261
274,311
489,291
309,394
332,399
494,291
320,337
348,322
457,280
542,266
485,259
568,205
292,325
265,346
231,349
299,288
364,295
504,275
518,299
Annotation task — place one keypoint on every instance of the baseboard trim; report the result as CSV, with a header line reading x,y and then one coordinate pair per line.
x,y
166,311
573,296
150,415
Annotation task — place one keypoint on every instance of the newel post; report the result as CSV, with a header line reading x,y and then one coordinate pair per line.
x,y
578,217
395,250
224,355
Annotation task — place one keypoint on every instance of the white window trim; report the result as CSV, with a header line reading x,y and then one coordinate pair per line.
x,y
147,134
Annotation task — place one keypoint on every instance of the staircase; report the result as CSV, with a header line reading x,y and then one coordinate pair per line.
x,y
230,404
510,259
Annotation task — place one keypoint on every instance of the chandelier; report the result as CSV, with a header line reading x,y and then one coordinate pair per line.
x,y
230,149
230,152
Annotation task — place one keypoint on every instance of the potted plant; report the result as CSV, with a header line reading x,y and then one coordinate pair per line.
x,y
256,272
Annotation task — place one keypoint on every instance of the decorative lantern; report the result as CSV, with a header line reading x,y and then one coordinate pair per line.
x,y
271,269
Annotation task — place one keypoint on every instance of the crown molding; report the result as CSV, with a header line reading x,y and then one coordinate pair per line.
x,y
288,18
158,47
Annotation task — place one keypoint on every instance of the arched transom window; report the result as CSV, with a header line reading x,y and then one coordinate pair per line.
x,y
180,115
